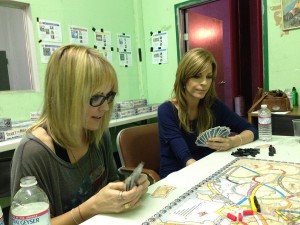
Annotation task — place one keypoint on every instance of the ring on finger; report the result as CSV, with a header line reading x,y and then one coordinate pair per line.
x,y
120,196
127,206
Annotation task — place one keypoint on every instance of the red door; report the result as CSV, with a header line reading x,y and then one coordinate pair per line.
x,y
207,32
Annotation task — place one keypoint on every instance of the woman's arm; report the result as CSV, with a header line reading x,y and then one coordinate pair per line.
x,y
223,144
111,199
170,134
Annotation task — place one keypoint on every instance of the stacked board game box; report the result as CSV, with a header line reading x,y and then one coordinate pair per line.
x,y
128,108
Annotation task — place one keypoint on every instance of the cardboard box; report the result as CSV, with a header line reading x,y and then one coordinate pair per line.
x,y
5,123
11,133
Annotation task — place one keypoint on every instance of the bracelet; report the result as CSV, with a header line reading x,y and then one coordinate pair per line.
x,y
73,217
80,214
240,139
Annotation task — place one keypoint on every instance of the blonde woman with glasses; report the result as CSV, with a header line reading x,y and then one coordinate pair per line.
x,y
68,149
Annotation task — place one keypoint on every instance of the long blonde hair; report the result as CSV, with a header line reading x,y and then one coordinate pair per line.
x,y
74,74
194,62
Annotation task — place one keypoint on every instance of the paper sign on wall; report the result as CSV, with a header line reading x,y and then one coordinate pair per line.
x,y
46,50
102,39
106,53
78,35
49,31
124,46
125,58
124,42
159,43
160,39
160,56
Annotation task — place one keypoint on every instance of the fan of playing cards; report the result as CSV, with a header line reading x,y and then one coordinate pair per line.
x,y
212,132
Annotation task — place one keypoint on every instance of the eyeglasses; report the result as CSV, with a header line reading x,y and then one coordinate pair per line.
x,y
97,100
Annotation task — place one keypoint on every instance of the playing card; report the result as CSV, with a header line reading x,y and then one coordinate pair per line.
x,y
131,180
212,132
162,191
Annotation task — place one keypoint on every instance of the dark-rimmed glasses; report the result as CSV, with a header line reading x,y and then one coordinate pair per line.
x,y
97,100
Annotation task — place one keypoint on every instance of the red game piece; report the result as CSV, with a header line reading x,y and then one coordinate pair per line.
x,y
240,216
231,216
248,212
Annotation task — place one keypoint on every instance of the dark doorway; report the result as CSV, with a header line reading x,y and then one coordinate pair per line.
x,y
4,79
237,47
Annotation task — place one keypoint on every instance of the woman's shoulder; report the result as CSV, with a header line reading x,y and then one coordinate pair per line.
x,y
30,148
167,105
36,142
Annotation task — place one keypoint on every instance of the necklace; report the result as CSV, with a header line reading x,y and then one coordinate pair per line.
x,y
80,169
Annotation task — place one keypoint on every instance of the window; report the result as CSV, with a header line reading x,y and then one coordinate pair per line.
x,y
18,67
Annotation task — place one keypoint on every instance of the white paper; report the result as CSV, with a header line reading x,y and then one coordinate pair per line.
x,y
160,56
46,50
160,40
107,54
124,42
78,35
49,31
103,39
125,58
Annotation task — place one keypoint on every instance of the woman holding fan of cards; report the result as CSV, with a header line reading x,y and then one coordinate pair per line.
x,y
193,109
69,149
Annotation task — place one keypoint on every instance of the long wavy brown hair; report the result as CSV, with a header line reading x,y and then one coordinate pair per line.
x,y
192,63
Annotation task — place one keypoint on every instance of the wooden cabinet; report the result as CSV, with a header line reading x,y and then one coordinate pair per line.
x,y
281,123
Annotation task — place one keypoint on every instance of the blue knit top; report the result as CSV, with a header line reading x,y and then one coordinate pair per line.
x,y
178,146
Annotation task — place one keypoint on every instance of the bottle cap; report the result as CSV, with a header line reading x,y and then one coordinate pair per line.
x,y
264,106
28,181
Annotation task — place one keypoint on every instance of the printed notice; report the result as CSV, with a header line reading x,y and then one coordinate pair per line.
x,y
124,42
160,56
49,31
102,39
46,51
107,54
79,35
160,40
125,58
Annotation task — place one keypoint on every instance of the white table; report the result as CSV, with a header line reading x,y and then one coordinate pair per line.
x,y
13,143
287,149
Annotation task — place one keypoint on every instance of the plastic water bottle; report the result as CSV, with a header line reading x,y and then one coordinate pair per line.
x,y
30,205
288,92
264,123
1,217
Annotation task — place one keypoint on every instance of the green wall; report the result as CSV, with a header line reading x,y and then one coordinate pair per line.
x,y
283,48
139,18
284,51
117,16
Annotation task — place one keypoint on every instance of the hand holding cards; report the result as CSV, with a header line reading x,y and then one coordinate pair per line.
x,y
132,179
213,132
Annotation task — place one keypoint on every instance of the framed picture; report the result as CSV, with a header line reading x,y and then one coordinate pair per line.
x,y
290,14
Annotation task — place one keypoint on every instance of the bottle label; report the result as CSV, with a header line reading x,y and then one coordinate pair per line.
x,y
1,220
264,120
42,218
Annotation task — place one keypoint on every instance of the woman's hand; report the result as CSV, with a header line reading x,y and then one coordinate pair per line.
x,y
114,199
220,143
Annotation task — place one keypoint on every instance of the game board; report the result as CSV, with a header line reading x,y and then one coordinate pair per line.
x,y
276,185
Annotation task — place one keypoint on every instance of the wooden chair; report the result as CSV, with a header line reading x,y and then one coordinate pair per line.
x,y
140,143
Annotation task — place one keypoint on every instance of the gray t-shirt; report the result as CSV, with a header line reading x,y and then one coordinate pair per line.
x,y
66,185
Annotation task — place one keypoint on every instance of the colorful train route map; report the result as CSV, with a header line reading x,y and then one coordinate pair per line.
x,y
275,187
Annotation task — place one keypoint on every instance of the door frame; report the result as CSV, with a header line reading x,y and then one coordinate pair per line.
x,y
180,19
